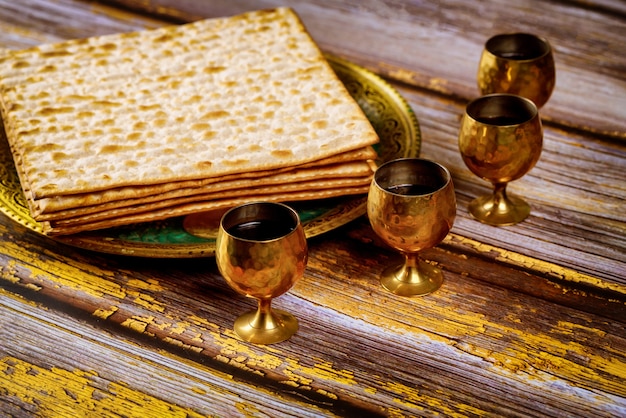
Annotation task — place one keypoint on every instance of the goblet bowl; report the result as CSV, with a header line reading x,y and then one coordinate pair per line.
x,y
261,252
517,63
500,140
411,206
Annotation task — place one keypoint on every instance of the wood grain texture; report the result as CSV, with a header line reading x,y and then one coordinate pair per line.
x,y
375,349
56,365
530,322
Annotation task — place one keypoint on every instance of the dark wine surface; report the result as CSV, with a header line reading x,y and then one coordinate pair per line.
x,y
411,189
262,230
501,120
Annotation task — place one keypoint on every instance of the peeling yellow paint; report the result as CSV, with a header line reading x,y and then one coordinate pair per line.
x,y
327,394
298,377
137,323
411,398
571,328
396,413
542,355
323,371
146,301
150,284
179,343
544,267
370,390
34,287
326,371
408,396
290,383
66,272
105,313
8,272
248,409
232,348
179,327
59,392
19,297
198,390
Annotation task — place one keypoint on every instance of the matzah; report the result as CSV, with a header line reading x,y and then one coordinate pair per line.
x,y
124,118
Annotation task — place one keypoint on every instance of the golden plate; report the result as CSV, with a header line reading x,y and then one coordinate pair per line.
x,y
389,113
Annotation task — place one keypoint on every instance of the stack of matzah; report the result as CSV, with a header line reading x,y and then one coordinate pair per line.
x,y
143,126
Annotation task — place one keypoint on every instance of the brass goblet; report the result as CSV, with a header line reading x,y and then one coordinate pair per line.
x,y
500,140
411,206
261,251
517,63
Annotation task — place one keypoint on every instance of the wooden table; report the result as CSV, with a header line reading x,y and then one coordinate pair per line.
x,y
531,320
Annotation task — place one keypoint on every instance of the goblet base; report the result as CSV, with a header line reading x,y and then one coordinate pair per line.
x,y
499,212
264,329
407,280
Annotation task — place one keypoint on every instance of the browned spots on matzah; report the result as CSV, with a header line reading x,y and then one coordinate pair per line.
x,y
47,111
214,114
112,149
213,69
200,126
59,156
282,153
152,106
57,53
109,46
29,131
204,165
105,104
193,100
44,148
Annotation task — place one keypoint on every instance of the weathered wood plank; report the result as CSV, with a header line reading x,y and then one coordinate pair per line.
x,y
358,345
52,364
32,22
437,45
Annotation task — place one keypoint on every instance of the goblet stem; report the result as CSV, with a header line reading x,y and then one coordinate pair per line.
x,y
266,325
264,318
499,209
412,278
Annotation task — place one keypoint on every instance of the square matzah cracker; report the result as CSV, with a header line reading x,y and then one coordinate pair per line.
x,y
207,99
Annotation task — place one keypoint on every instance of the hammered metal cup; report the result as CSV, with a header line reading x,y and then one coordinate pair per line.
x,y
411,206
261,251
500,140
517,63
